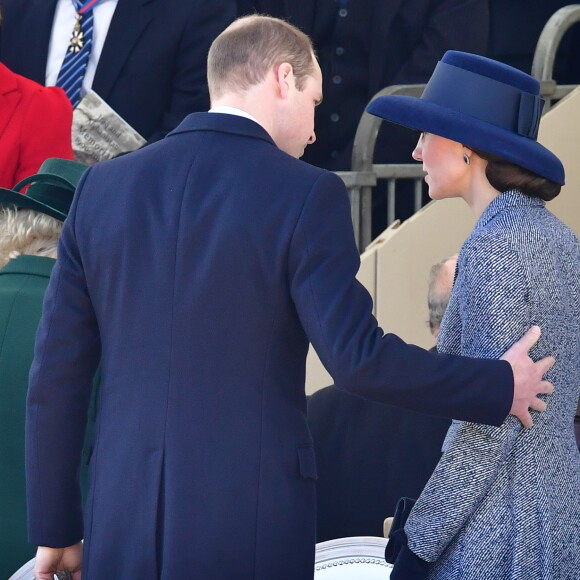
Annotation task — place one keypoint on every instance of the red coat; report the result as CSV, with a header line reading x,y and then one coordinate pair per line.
x,y
35,123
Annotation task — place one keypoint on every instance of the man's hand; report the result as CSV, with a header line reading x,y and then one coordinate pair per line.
x,y
49,561
528,375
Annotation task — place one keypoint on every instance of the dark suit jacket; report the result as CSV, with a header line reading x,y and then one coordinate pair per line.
x,y
404,41
152,69
35,123
528,17
406,38
224,256
368,456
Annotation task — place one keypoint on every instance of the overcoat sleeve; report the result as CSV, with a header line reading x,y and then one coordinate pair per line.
x,y
336,312
492,289
61,379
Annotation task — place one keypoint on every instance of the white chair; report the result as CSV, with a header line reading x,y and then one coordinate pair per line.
x,y
356,558
26,572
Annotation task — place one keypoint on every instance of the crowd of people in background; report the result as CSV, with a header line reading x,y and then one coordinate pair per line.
x,y
148,61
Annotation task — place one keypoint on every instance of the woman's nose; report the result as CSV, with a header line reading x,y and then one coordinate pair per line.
x,y
418,151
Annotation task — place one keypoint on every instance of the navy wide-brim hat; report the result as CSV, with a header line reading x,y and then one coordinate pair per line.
x,y
480,103
50,191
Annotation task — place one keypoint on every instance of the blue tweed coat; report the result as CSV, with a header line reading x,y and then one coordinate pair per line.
x,y
504,502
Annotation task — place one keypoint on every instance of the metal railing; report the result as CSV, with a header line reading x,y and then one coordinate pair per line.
x,y
362,161
545,54
364,175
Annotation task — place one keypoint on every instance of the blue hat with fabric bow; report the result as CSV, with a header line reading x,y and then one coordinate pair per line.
x,y
480,103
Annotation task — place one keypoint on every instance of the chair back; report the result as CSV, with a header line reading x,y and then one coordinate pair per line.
x,y
25,572
360,557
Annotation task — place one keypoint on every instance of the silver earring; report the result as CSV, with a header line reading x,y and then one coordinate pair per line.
x,y
466,158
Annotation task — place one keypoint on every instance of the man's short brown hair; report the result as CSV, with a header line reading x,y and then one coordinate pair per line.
x,y
243,54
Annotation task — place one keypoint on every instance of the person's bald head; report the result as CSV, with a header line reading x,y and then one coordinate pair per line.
x,y
252,46
440,286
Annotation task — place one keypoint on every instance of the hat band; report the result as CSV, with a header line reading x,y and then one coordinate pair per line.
x,y
505,106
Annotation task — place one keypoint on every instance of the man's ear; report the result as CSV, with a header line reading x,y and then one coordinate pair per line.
x,y
284,78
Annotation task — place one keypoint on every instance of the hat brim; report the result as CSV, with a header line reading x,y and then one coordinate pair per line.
x,y
416,113
57,179
11,198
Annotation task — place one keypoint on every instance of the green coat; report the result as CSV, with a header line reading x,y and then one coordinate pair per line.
x,y
23,282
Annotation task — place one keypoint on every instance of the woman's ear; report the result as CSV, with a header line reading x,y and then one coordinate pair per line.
x,y
467,153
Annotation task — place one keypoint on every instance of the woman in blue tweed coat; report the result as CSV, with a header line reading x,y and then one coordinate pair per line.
x,y
504,502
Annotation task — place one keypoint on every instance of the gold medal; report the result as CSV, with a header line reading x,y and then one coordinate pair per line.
x,y
77,39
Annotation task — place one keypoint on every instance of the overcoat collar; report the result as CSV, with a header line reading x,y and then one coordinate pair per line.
x,y
223,123
9,96
130,19
31,265
7,80
505,201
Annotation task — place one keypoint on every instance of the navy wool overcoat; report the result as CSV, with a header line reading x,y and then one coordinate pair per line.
x,y
197,270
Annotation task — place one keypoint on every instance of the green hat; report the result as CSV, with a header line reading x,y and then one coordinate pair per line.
x,y
50,191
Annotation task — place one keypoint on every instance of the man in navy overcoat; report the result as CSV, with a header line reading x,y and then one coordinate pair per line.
x,y
196,270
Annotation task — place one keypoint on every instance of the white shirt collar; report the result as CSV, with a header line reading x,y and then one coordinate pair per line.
x,y
233,111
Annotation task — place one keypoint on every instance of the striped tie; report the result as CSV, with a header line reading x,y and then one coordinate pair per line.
x,y
72,72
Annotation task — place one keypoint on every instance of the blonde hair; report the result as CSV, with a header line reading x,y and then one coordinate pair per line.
x,y
247,50
25,231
